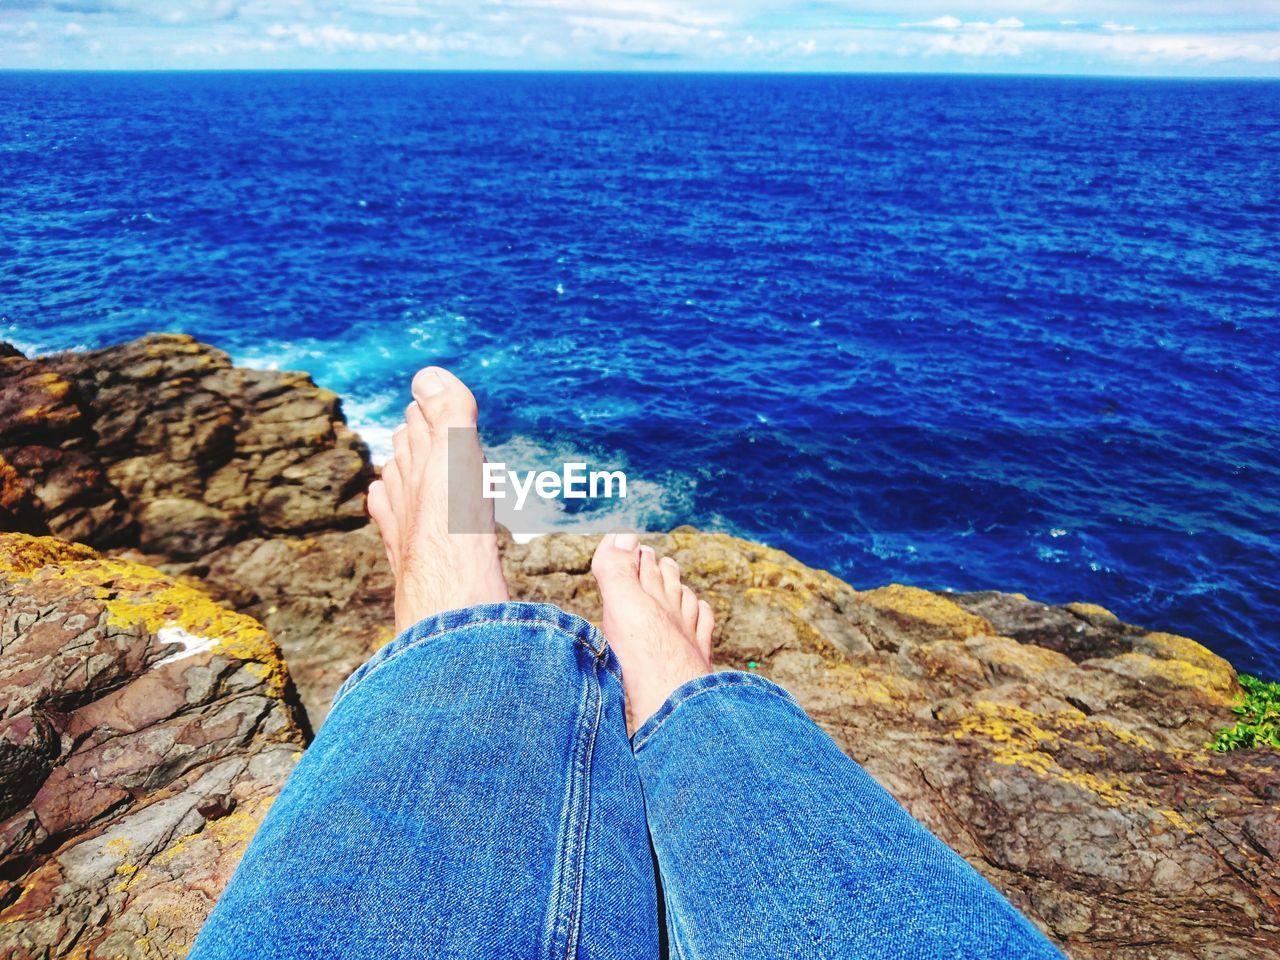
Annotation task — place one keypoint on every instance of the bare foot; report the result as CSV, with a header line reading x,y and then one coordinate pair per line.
x,y
436,570
657,628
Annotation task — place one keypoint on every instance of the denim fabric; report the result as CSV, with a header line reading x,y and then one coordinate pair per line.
x,y
771,842
473,795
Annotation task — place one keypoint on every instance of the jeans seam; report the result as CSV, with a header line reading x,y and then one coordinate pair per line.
x,y
674,705
584,831
597,655
572,857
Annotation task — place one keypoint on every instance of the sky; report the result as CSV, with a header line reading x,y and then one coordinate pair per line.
x,y
1108,37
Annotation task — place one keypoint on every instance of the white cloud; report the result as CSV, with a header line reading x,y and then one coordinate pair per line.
x,y
1114,27
955,23
983,43
73,29
942,23
333,38
639,37
28,28
648,10
1118,46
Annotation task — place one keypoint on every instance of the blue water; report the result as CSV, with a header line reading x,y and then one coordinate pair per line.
x,y
961,333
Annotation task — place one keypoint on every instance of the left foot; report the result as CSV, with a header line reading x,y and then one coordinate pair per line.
x,y
656,626
436,569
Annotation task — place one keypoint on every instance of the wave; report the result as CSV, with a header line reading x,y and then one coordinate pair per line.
x,y
651,504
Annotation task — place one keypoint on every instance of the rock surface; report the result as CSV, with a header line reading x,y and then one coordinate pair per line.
x,y
1059,750
144,731
161,443
325,600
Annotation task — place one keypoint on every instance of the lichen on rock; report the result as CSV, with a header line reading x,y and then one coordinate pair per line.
x,y
137,717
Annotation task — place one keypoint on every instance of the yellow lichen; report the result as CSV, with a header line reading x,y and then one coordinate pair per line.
x,y
164,857
22,554
135,595
130,872
794,607
874,686
929,608
235,828
1024,739
1178,820
1020,739
1216,686
53,382
1091,609
1020,658
1170,646
238,827
769,572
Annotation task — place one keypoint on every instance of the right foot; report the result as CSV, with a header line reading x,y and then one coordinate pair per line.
x,y
656,626
435,568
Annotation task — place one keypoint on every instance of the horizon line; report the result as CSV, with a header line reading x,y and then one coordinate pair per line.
x,y
647,72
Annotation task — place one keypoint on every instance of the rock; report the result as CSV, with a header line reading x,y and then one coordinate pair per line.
x,y
36,404
48,482
327,600
161,443
20,509
181,527
144,732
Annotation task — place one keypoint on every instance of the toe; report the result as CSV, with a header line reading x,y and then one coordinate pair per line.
x,y
706,624
418,434
379,505
650,575
688,610
380,510
444,400
393,481
617,559
403,455
670,571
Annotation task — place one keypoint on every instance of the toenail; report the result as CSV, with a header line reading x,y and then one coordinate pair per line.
x,y
625,541
648,550
429,383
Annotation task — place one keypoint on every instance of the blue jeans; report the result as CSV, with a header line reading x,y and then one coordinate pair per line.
x,y
473,795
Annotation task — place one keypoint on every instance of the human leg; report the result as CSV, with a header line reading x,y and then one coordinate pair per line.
x,y
472,793
770,841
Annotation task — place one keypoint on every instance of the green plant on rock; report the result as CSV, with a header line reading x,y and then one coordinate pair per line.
x,y
1259,723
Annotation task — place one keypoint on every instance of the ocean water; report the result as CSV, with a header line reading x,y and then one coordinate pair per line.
x,y
956,332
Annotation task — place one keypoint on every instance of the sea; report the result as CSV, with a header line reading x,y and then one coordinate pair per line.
x,y
958,332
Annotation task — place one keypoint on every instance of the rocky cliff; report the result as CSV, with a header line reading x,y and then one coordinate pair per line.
x,y
147,715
